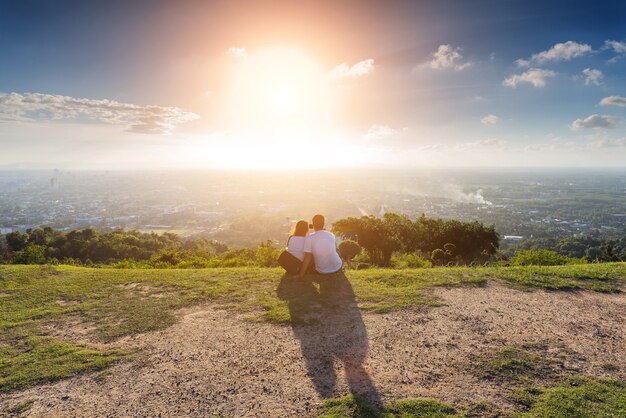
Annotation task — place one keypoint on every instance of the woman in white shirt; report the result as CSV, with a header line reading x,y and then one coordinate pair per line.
x,y
295,244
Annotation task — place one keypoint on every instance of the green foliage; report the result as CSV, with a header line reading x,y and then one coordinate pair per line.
x,y
33,254
411,261
168,256
464,241
577,397
86,246
266,255
39,359
542,258
591,248
375,235
16,241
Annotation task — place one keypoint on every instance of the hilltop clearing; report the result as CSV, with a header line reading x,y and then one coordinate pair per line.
x,y
247,342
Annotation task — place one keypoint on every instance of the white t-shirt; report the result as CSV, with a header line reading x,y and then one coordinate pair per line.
x,y
296,246
322,245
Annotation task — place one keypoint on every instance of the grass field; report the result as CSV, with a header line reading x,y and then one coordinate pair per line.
x,y
117,303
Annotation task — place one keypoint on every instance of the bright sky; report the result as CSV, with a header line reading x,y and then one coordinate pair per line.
x,y
282,85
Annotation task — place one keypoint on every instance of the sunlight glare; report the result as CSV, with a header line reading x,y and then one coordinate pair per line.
x,y
282,99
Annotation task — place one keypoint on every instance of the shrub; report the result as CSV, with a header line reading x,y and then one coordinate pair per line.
x,y
542,258
130,264
33,254
236,262
348,249
171,257
267,256
403,261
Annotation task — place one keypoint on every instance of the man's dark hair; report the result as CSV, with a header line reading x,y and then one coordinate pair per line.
x,y
318,222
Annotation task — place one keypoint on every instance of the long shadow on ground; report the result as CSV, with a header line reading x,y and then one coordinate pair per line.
x,y
328,323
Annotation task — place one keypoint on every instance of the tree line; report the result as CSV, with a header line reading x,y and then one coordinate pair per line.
x,y
89,246
593,249
391,241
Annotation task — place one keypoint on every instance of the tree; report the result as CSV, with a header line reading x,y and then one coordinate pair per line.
x,y
465,241
16,240
373,234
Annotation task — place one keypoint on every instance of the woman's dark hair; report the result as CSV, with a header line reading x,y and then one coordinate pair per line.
x,y
301,229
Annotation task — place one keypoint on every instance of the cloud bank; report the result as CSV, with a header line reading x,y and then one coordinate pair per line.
x,y
613,101
595,122
535,76
565,51
140,119
447,57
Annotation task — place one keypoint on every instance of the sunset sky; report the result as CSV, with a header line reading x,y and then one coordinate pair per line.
x,y
286,85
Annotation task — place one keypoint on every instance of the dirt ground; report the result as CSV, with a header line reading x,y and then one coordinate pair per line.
x,y
213,363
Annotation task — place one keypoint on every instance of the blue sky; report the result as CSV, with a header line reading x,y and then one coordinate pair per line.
x,y
136,84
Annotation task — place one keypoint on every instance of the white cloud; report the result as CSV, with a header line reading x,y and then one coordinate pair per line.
x,y
522,62
535,76
613,101
142,119
593,77
237,52
596,122
446,57
376,132
359,69
618,47
490,119
560,52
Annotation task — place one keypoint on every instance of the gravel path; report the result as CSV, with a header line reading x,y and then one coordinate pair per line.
x,y
213,363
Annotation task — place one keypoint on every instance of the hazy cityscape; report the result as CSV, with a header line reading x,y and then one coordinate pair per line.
x,y
241,209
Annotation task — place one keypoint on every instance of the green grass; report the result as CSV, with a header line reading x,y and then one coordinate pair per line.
x,y
573,397
518,364
41,359
355,407
119,302
577,397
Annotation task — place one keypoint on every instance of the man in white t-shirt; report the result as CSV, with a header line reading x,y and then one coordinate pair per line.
x,y
320,248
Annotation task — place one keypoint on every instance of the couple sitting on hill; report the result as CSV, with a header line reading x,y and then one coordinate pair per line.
x,y
311,253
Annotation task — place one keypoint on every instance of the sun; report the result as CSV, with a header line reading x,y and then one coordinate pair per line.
x,y
280,117
282,99
279,89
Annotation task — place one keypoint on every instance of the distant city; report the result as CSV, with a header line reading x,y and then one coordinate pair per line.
x,y
243,209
